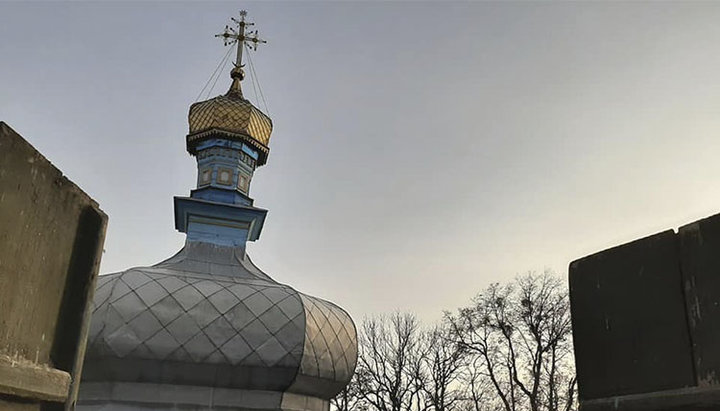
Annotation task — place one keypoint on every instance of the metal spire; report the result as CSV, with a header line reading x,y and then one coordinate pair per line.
x,y
241,35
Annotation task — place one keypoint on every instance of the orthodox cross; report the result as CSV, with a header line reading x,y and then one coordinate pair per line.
x,y
242,36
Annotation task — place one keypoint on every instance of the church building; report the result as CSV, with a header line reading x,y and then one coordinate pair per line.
x,y
206,329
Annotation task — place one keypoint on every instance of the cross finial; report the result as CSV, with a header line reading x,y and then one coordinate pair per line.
x,y
241,36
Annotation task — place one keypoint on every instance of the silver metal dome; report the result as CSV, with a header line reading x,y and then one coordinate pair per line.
x,y
207,321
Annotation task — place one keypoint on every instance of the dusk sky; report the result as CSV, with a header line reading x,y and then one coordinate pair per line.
x,y
421,151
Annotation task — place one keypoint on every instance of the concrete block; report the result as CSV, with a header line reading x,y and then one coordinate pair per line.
x,y
50,248
629,326
700,262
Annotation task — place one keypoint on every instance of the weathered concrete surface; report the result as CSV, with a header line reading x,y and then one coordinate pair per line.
x,y
26,379
683,399
646,322
628,316
51,236
700,262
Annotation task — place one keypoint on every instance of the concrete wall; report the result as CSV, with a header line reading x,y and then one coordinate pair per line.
x,y
51,236
646,322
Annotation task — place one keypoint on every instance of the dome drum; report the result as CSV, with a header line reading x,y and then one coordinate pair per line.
x,y
169,397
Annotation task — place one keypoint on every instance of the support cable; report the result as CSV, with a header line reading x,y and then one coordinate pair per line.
x,y
222,70
224,59
252,75
256,80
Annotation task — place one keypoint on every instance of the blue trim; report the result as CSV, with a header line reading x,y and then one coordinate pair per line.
x,y
220,212
219,195
250,151
218,154
218,234
219,142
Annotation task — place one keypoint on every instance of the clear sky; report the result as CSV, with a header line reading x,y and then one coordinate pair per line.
x,y
421,150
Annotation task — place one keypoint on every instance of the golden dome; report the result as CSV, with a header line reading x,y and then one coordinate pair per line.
x,y
230,116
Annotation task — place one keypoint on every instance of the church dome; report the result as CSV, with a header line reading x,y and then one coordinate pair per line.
x,y
230,116
206,329
208,317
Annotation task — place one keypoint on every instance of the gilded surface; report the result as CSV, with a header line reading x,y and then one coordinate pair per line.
x,y
233,114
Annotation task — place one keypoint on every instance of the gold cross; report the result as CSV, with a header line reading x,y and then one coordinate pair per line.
x,y
241,36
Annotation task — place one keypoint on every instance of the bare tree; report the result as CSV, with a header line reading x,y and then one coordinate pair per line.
x,y
387,364
350,398
510,350
520,333
478,391
440,366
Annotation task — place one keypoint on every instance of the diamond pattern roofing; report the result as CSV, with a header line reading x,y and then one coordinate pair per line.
x,y
177,313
